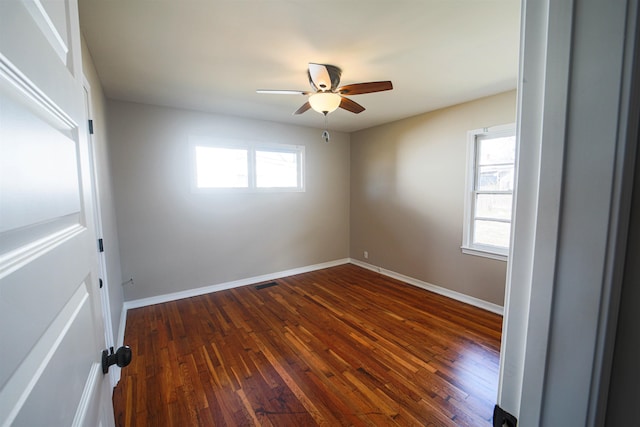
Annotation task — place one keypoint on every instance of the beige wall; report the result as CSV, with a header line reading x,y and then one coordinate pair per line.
x,y
407,197
100,141
173,240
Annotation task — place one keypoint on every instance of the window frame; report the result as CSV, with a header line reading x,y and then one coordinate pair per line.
x,y
471,192
251,147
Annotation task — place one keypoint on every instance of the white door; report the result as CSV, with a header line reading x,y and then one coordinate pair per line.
x,y
51,328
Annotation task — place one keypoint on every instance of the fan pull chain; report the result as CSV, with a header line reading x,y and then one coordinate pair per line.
x,y
325,134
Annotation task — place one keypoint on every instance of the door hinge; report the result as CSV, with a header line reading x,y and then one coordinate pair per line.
x,y
100,246
100,283
91,127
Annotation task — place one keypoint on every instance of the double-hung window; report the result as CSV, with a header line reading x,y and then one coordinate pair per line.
x,y
247,166
489,191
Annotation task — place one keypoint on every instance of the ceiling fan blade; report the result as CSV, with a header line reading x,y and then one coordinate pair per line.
x,y
283,92
360,88
324,77
303,108
349,105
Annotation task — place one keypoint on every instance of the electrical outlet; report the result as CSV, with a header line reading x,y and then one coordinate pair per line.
x,y
366,255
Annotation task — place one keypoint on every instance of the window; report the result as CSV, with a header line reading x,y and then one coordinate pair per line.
x,y
489,192
247,166
219,167
276,169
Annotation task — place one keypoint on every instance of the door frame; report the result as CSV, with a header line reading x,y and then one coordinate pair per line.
x,y
578,82
98,229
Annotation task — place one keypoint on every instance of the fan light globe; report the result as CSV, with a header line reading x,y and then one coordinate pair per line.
x,y
325,102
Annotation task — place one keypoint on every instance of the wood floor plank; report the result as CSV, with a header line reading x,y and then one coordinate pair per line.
x,y
340,346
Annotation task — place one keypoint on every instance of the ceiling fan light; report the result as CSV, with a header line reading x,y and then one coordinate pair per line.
x,y
325,102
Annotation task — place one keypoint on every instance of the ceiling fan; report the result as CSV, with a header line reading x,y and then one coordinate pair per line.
x,y
326,94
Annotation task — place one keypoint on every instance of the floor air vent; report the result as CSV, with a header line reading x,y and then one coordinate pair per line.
x,y
266,285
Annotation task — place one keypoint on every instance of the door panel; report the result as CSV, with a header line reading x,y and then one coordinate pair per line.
x,y
39,160
31,302
62,349
51,18
41,65
51,325
39,180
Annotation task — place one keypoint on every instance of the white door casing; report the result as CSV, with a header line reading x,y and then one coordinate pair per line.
x,y
103,278
51,325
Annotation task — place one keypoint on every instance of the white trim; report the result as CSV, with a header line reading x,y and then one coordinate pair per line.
x,y
49,30
485,254
476,302
48,109
468,247
17,258
115,371
88,395
85,83
251,147
17,389
97,213
121,328
143,302
530,105
497,130
563,282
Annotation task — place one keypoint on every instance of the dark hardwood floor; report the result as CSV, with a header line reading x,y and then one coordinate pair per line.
x,y
341,346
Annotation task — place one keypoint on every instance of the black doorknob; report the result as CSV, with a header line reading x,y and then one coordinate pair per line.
x,y
122,358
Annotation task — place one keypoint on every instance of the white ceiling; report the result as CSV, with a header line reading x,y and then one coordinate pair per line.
x,y
212,55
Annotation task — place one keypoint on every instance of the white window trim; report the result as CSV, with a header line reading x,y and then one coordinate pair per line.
x,y
251,147
487,251
299,150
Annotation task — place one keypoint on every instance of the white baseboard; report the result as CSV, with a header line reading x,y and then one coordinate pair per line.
x,y
477,302
143,302
123,321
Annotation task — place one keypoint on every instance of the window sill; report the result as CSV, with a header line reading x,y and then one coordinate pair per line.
x,y
245,190
483,253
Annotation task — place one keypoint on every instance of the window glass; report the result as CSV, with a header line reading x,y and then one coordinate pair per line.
x,y
494,150
218,167
495,178
276,169
246,166
491,233
493,206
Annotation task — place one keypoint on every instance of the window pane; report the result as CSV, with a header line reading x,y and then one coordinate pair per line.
x,y
276,169
495,178
496,150
491,233
218,167
497,206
